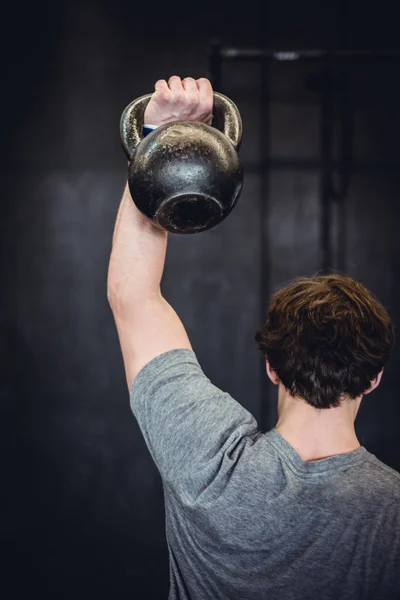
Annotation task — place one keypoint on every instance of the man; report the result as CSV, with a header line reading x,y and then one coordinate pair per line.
x,y
302,511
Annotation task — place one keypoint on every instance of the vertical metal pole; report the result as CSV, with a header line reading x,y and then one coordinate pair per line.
x,y
326,168
268,408
214,64
346,118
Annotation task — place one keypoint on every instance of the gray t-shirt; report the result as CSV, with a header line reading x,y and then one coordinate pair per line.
x,y
246,518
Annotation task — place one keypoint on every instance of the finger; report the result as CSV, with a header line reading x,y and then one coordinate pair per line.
x,y
206,97
190,86
175,84
161,86
205,89
162,91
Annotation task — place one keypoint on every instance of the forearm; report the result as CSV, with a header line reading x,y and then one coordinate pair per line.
x,y
137,259
147,325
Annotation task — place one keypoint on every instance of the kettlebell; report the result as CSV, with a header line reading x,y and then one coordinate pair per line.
x,y
186,176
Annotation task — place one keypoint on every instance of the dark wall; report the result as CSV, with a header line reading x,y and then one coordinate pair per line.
x,y
82,508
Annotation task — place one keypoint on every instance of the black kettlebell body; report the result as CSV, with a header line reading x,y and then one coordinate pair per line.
x,y
186,176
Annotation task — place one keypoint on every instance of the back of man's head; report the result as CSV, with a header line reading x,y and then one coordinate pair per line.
x,y
326,337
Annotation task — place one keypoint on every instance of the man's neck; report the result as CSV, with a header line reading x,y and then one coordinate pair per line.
x,y
317,433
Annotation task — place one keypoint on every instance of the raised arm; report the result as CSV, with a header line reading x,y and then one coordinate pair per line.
x,y
147,325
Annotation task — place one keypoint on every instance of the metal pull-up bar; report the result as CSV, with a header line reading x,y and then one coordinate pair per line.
x,y
218,54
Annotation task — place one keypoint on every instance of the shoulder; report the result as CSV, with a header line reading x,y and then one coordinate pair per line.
x,y
384,479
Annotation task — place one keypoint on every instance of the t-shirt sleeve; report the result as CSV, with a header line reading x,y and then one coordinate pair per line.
x,y
187,422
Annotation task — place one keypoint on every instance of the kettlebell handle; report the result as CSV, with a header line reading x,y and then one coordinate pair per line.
x,y
225,114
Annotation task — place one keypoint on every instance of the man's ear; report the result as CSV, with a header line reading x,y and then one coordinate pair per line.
x,y
271,374
374,383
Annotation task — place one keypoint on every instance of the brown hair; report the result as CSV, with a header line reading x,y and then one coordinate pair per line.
x,y
326,337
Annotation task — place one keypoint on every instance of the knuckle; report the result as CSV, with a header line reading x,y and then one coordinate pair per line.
x,y
192,100
163,95
178,98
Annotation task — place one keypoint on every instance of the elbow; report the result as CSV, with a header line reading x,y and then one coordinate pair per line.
x,y
112,298
126,303
121,298
117,303
121,291
122,301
